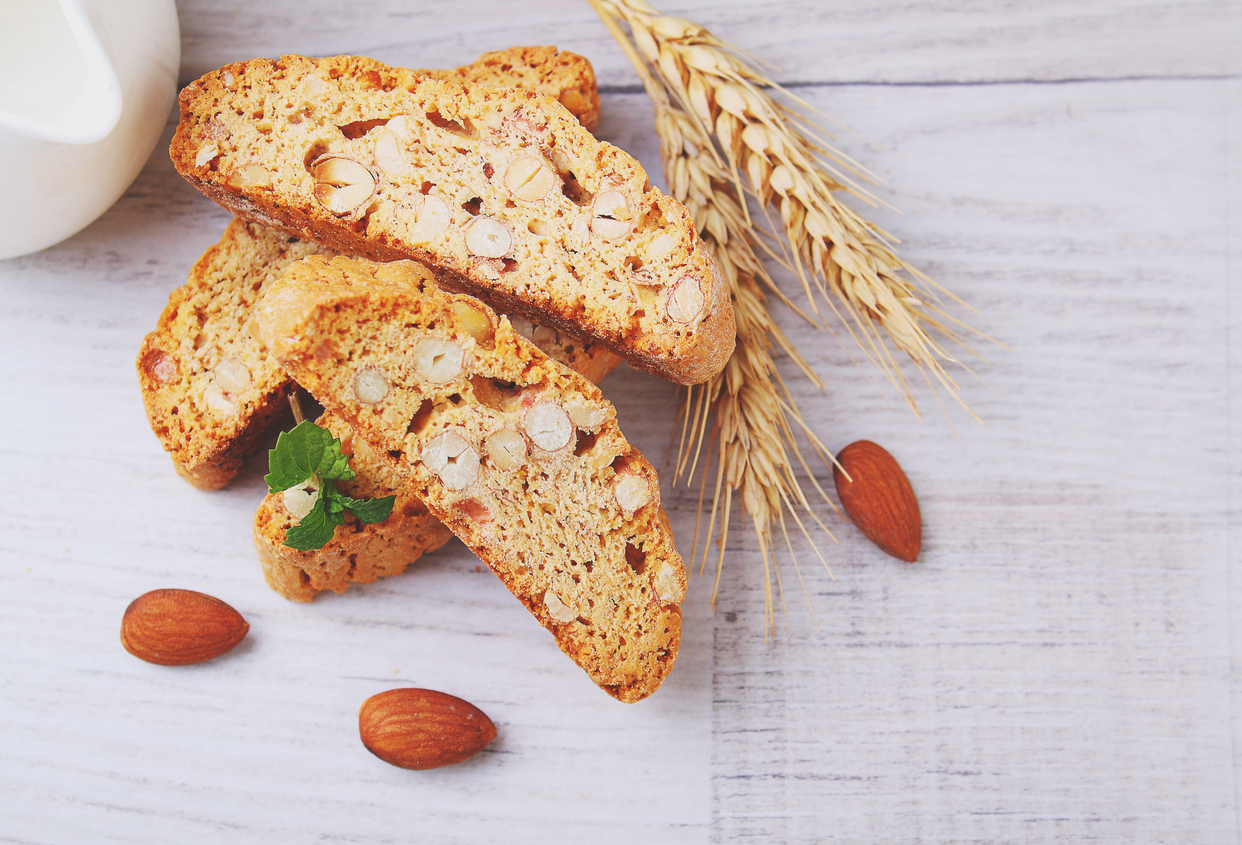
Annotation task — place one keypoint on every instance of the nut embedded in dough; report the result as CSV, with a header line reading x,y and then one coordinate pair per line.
x,y
388,155
548,426
430,217
232,375
631,492
487,237
341,184
585,416
557,609
249,176
529,178
453,459
471,317
684,301
370,385
506,449
607,207
438,360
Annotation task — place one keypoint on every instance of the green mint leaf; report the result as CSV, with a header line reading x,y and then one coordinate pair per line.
x,y
313,531
302,453
309,452
369,511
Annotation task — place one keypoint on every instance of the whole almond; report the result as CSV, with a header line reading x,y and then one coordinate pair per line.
x,y
878,498
179,627
422,728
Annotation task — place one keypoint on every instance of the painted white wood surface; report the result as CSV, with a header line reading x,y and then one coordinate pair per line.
x,y
1061,665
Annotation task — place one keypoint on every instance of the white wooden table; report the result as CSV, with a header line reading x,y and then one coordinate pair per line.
x,y
1062,664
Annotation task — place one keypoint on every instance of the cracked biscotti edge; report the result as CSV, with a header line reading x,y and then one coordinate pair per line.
x,y
565,76
518,455
500,189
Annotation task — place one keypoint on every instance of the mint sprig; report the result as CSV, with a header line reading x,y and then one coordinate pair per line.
x,y
309,455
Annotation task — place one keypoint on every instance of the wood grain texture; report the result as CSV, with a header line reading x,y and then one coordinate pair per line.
x,y
1062,665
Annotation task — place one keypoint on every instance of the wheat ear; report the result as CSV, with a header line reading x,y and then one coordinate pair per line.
x,y
755,416
774,154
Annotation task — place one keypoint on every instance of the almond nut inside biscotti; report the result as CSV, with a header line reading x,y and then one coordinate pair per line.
x,y
548,426
341,184
660,246
389,156
584,415
529,178
217,400
632,492
370,385
684,301
506,449
232,375
206,153
474,320
250,176
487,237
161,366
667,584
428,218
557,609
299,501
607,208
438,360
451,457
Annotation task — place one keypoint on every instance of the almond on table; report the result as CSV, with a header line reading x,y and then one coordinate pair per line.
x,y
501,190
519,456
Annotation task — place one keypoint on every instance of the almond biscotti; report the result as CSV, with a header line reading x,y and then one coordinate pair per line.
x,y
357,553
565,76
499,188
519,456
212,394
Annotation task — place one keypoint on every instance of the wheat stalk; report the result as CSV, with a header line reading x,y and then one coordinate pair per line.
x,y
774,154
724,137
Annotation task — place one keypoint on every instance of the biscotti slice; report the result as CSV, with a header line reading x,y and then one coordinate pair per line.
x,y
519,456
361,553
565,76
357,553
211,393
499,188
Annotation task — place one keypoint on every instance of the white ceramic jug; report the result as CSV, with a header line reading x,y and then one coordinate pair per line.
x,y
86,87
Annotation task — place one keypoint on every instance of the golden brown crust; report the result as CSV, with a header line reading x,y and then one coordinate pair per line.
x,y
357,554
564,76
519,456
500,189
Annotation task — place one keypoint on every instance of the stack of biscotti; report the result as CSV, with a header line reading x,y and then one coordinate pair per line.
x,y
500,190
518,455
211,395
504,196
361,553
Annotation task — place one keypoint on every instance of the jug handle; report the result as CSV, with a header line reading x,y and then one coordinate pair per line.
x,y
99,100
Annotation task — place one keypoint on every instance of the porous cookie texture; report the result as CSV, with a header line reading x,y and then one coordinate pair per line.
x,y
500,189
357,553
518,455
212,394
565,76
